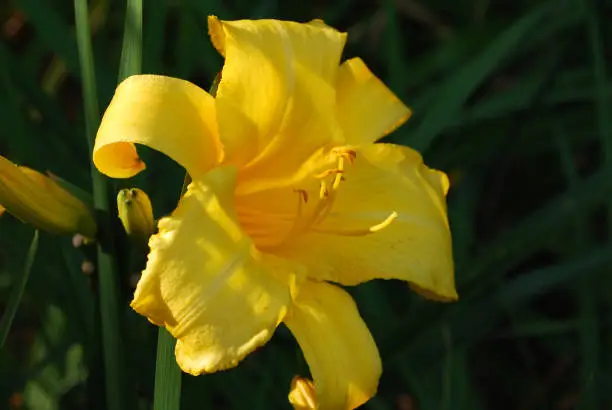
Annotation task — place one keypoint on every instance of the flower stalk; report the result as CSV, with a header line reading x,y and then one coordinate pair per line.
x,y
107,274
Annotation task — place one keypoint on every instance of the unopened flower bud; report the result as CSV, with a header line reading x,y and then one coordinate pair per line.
x,y
302,395
136,214
38,200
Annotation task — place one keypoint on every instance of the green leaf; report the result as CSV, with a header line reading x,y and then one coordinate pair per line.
x,y
15,297
131,51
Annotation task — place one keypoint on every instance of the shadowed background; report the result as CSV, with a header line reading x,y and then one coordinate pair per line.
x,y
511,99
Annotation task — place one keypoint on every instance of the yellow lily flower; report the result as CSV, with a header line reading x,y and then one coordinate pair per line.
x,y
289,192
40,201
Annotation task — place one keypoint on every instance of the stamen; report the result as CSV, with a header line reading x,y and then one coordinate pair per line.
x,y
359,232
323,192
327,196
341,163
348,153
392,217
327,173
337,179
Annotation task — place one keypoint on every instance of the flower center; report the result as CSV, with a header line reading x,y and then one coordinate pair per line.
x,y
330,181
272,219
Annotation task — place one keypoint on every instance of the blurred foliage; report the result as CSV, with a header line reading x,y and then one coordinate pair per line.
x,y
511,98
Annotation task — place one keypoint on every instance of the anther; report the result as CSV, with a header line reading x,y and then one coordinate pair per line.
x,y
323,192
347,153
303,194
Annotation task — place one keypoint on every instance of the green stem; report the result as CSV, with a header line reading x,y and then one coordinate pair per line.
x,y
167,395
107,275
167,374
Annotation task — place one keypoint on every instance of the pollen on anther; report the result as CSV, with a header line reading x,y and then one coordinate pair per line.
x,y
303,194
323,192
349,154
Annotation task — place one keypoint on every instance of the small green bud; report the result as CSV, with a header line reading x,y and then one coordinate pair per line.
x,y
136,214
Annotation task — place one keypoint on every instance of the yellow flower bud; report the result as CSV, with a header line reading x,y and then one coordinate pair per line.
x,y
38,200
302,395
136,214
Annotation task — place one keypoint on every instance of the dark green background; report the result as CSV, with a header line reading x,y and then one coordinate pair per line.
x,y
510,98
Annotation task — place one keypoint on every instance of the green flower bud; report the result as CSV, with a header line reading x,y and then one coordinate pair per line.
x,y
136,214
40,201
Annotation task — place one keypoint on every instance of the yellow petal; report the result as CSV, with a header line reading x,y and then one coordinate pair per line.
x,y
207,284
38,200
277,88
2,209
169,115
385,183
337,345
367,109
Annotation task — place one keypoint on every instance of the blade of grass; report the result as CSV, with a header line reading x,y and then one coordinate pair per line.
x,y
454,92
131,51
15,297
107,274
510,248
56,34
540,328
23,79
589,318
394,49
474,316
154,37
589,323
602,97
